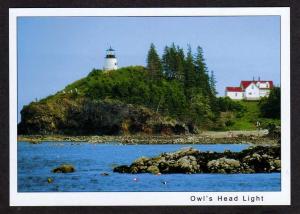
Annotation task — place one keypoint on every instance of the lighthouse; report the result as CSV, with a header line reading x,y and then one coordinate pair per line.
x,y
110,62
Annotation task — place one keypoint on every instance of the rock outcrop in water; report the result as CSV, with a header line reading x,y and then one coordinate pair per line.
x,y
64,168
257,159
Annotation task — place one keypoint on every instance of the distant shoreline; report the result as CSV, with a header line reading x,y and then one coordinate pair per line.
x,y
258,137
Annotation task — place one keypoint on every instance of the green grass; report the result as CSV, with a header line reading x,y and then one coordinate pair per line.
x,y
247,119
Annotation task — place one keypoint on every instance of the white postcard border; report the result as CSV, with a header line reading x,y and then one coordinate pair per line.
x,y
282,197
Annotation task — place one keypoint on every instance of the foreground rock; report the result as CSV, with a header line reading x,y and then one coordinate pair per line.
x,y
188,160
65,168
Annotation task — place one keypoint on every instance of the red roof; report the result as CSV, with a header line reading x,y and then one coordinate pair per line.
x,y
245,84
234,89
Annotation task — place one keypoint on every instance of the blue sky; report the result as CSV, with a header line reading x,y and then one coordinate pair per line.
x,y
55,51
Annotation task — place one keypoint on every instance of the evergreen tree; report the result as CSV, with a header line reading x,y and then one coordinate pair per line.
x,y
166,59
200,109
212,81
201,72
179,65
169,60
154,64
173,59
190,75
270,106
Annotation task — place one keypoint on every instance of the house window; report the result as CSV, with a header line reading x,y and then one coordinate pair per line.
x,y
252,86
250,93
236,94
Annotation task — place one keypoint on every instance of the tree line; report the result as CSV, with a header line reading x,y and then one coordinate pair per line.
x,y
191,72
189,69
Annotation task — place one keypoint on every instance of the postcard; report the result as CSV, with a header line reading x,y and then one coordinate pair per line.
x,y
149,106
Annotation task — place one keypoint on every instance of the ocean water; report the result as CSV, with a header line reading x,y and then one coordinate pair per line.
x,y
35,162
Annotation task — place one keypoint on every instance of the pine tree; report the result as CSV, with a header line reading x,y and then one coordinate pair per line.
x,y
179,65
201,72
169,60
190,75
154,64
166,63
212,81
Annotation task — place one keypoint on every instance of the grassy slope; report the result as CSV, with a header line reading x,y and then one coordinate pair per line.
x,y
103,83
248,119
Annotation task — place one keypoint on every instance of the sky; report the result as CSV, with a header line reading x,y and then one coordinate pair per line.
x,y
55,51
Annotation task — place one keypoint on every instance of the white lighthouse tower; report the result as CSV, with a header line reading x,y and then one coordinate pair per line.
x,y
110,62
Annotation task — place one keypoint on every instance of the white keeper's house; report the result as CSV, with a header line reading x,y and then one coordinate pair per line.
x,y
250,90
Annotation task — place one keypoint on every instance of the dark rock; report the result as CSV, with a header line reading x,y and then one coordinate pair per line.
x,y
35,142
275,165
188,164
274,131
65,168
153,169
122,169
141,161
104,174
192,128
224,165
189,160
180,128
259,158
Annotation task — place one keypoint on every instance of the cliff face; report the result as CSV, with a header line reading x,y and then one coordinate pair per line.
x,y
84,116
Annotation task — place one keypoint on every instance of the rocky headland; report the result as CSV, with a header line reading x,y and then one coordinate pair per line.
x,y
258,159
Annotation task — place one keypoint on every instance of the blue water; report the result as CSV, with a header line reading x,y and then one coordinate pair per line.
x,y
35,162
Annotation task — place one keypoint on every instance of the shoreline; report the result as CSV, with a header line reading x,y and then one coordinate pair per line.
x,y
258,137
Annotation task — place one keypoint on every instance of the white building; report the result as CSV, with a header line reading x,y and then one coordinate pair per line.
x,y
110,62
235,93
250,90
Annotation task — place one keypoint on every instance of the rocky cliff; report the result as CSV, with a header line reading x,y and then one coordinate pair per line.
x,y
84,116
